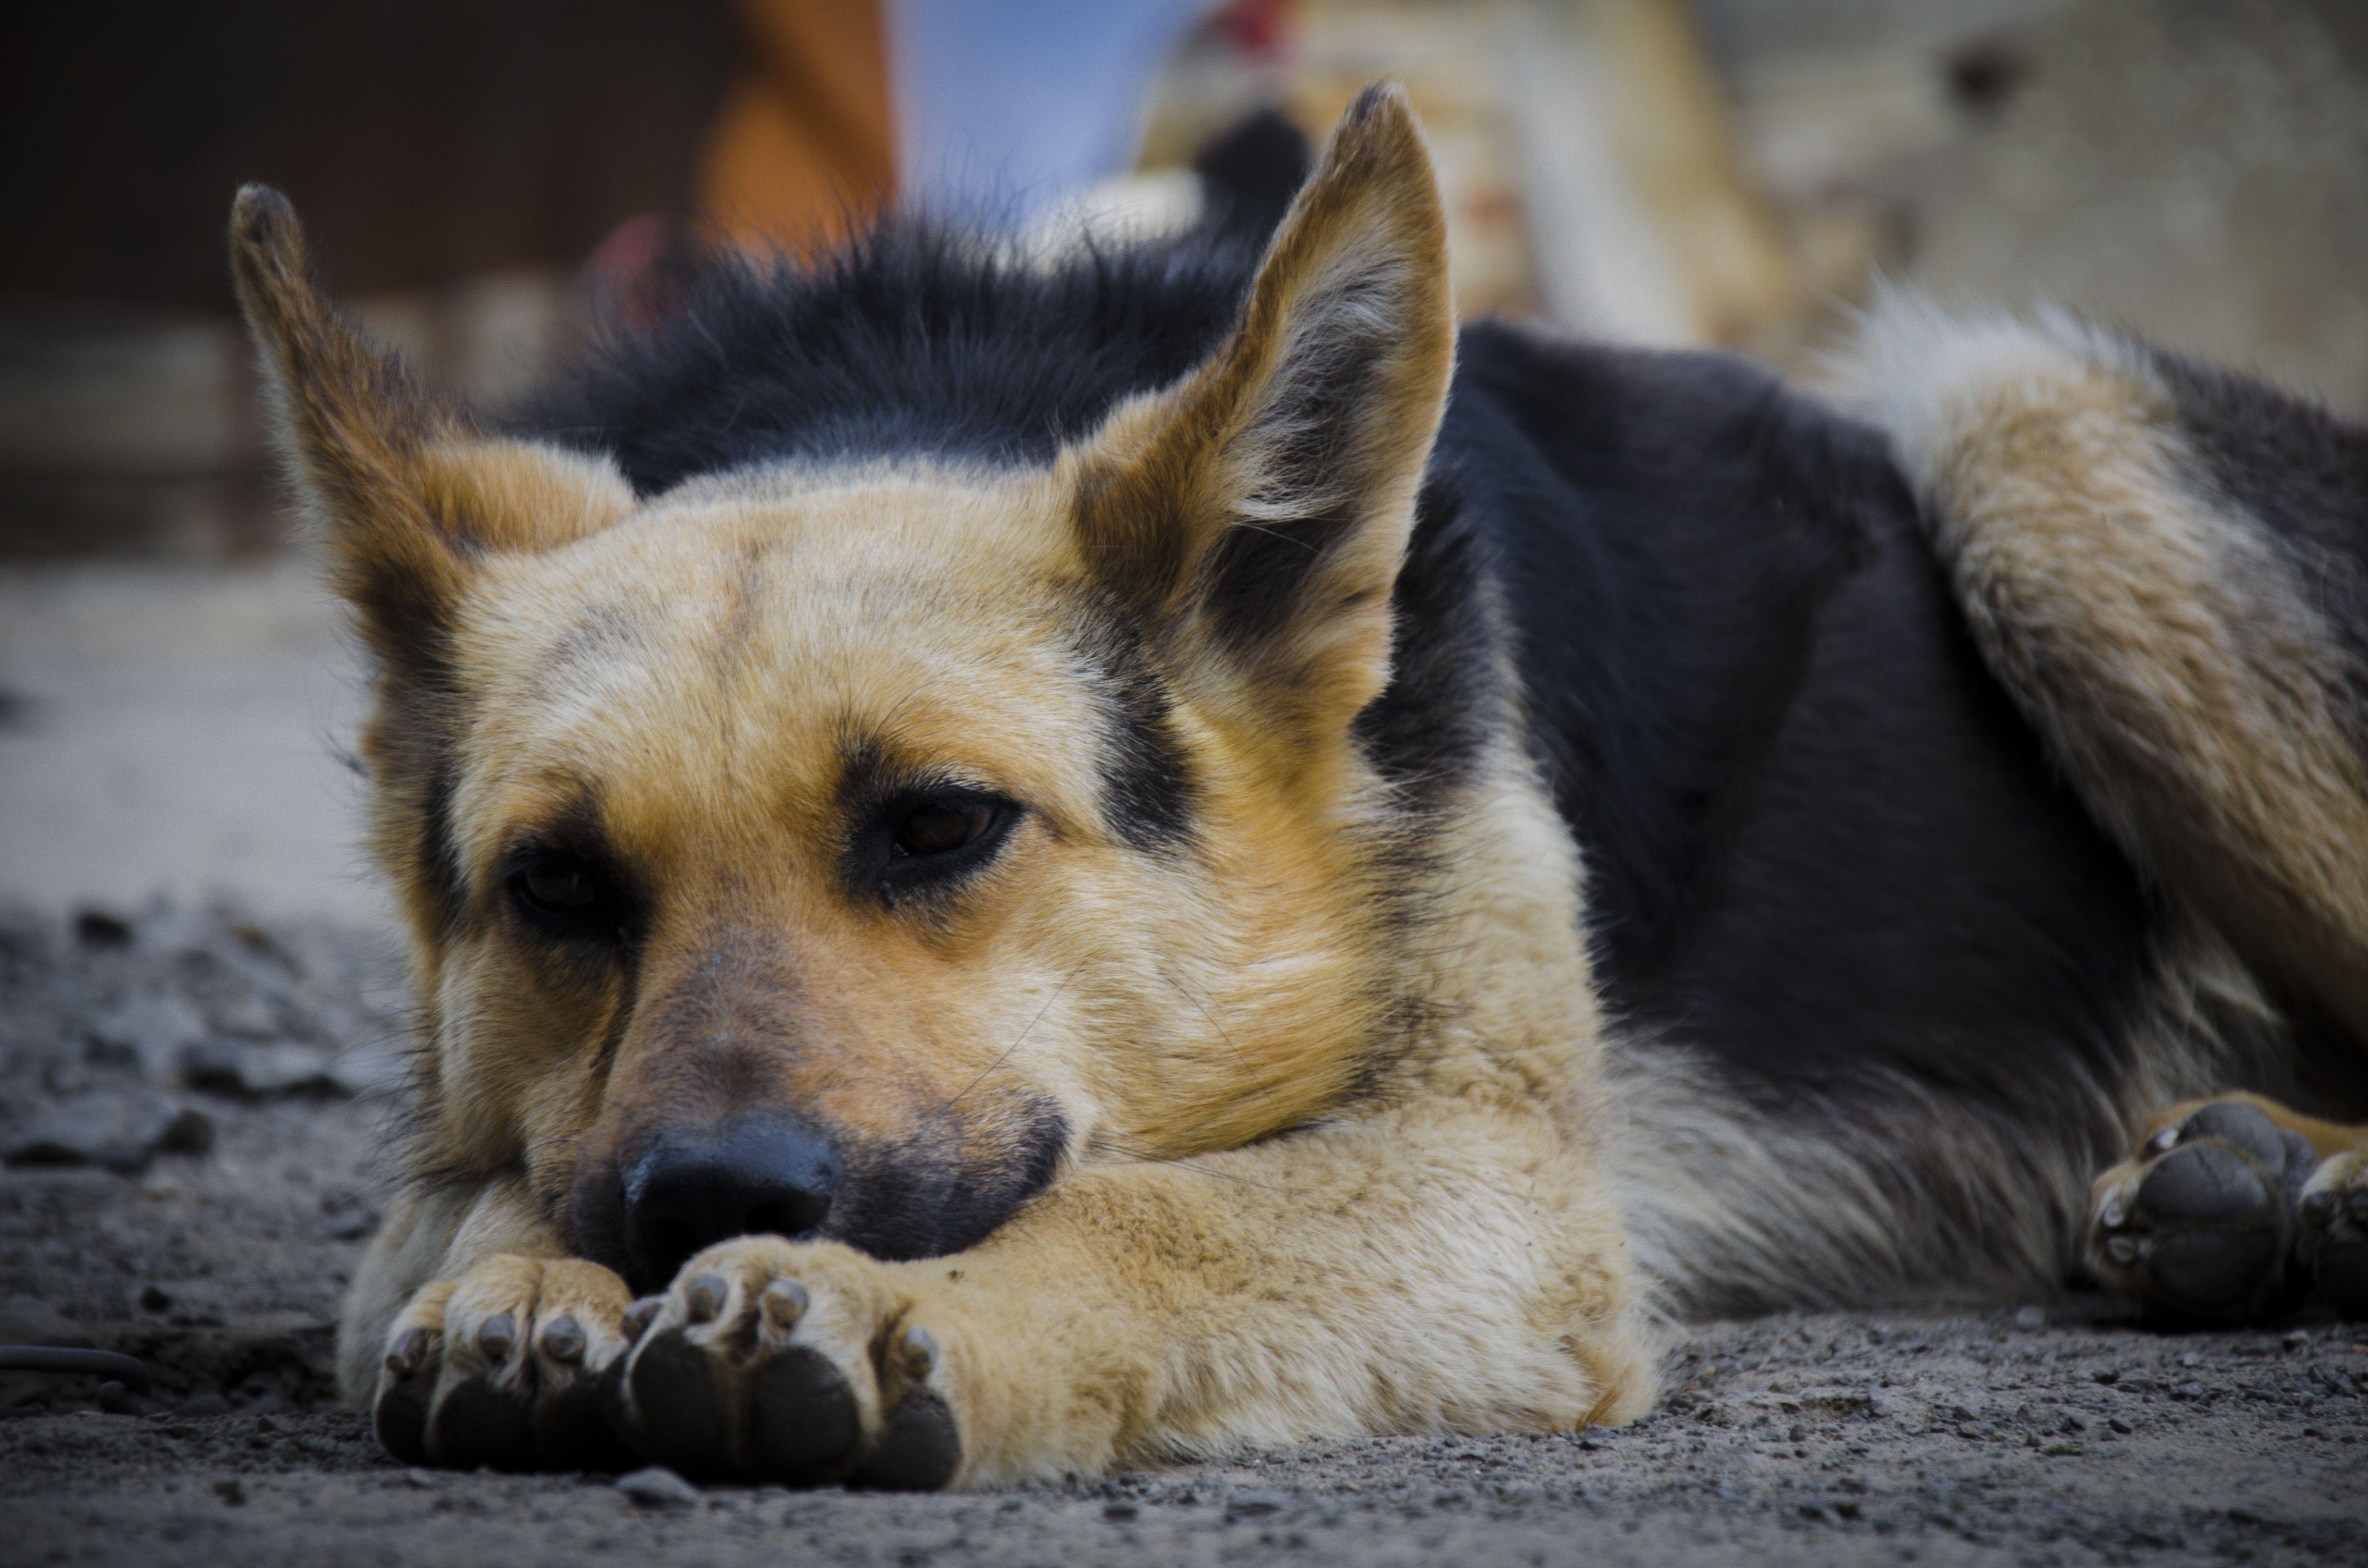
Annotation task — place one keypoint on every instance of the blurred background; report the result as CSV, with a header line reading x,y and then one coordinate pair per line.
x,y
483,179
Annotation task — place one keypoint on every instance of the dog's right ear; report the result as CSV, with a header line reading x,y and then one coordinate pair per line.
x,y
409,489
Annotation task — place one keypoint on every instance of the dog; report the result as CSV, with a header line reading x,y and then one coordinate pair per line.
x,y
1020,867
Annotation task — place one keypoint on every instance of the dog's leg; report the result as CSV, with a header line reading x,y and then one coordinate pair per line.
x,y
2230,1205
475,1340
2168,567
1381,1277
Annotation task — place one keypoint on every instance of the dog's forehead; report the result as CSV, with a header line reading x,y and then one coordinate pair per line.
x,y
928,615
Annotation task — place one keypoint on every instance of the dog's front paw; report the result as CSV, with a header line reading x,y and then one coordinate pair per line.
x,y
512,1366
2335,1231
794,1361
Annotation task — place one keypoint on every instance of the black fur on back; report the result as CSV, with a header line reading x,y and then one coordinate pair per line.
x,y
1821,841
1820,837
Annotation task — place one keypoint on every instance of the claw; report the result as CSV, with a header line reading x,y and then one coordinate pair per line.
x,y
2121,1250
2319,1208
2112,1216
785,1304
920,1353
706,1298
563,1339
639,1316
403,1358
498,1337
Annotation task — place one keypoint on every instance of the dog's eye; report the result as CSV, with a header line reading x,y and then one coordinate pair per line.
x,y
939,829
558,886
571,895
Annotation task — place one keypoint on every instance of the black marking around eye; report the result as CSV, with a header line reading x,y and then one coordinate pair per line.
x,y
877,796
610,919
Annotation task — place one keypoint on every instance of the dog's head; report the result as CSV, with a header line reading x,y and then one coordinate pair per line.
x,y
840,849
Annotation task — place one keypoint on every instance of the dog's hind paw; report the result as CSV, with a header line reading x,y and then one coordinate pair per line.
x,y
795,1362
2201,1222
512,1366
2335,1231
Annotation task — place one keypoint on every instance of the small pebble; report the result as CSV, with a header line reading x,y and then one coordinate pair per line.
x,y
659,1487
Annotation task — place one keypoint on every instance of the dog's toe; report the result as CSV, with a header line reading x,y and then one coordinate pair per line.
x,y
920,1444
2335,1231
682,1405
408,1377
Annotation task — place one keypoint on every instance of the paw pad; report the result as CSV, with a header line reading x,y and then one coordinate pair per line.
x,y
2203,1227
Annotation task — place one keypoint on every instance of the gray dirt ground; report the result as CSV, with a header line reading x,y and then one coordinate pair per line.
x,y
2054,1433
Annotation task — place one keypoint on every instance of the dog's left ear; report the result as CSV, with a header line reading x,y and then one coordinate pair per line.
x,y
1254,517
409,489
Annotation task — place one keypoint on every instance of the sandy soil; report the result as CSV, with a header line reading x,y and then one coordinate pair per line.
x,y
2056,1432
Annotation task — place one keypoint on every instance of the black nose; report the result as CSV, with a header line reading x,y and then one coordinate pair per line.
x,y
760,1176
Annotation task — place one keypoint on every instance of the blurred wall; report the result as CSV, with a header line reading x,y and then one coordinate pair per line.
x,y
423,140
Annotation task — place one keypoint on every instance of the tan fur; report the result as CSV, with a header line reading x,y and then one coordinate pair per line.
x,y
2174,660
1264,1075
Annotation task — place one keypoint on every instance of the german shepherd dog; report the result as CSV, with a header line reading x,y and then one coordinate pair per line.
x,y
1021,867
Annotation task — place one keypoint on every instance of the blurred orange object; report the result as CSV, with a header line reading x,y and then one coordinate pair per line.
x,y
804,150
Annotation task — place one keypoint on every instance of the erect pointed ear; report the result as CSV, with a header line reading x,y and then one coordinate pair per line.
x,y
407,487
1255,515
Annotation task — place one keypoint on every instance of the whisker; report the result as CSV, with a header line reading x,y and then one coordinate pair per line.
x,y
1015,1045
1202,1008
